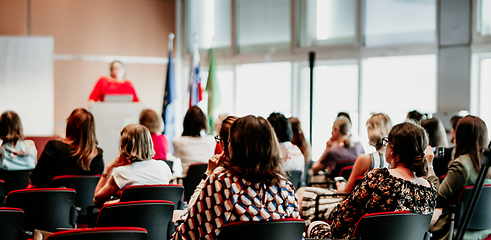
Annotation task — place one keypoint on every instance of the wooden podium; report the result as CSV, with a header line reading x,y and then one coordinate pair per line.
x,y
110,119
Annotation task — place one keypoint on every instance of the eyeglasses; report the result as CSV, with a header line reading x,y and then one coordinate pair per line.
x,y
217,139
385,141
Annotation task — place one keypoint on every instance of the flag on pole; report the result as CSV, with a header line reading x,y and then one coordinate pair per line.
x,y
195,90
213,90
168,108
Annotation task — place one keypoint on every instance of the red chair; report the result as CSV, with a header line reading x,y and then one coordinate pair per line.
x,y
166,192
11,224
45,208
286,229
103,233
155,216
401,225
15,180
85,187
2,193
346,172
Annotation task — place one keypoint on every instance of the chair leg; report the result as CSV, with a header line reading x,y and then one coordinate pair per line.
x,y
452,223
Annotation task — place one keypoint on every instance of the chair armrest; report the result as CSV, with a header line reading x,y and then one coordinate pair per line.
x,y
74,215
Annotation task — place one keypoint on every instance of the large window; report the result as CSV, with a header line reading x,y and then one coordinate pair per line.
x,y
389,22
397,85
209,23
335,90
485,97
264,88
484,19
225,81
327,22
263,25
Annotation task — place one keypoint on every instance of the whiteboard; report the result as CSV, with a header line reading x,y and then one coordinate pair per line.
x,y
26,82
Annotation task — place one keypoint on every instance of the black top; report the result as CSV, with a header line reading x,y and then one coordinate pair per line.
x,y
57,160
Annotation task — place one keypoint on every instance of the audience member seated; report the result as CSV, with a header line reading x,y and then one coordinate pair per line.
x,y
19,154
402,188
152,121
299,140
471,136
216,129
133,166
194,146
215,163
414,116
436,132
454,121
77,154
252,186
292,157
342,147
378,127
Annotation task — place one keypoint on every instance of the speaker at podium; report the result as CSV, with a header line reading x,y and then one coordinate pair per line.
x,y
111,116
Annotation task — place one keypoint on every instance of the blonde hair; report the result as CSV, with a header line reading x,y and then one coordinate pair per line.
x,y
136,143
378,127
80,135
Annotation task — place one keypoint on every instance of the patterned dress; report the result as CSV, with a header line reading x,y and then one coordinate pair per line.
x,y
226,198
378,192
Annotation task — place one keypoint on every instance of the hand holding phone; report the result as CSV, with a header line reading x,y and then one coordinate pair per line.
x,y
339,179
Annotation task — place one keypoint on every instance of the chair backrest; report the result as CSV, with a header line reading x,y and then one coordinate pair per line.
x,y
345,172
11,223
295,177
481,218
83,184
154,215
286,229
340,165
307,175
2,193
170,164
103,233
45,208
15,180
357,182
193,178
167,192
401,225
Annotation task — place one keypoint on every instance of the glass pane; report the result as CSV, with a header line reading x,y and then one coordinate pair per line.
x,y
209,20
485,15
485,97
397,85
264,88
389,22
225,79
335,90
327,22
263,25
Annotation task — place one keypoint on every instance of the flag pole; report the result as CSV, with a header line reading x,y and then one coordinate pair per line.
x,y
171,41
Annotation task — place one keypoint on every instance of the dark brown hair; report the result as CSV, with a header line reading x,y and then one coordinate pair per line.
x,y
471,136
282,127
409,141
225,130
436,132
136,143
10,127
194,121
299,138
80,135
150,119
255,151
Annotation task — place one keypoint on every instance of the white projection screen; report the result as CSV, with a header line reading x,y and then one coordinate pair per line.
x,y
26,82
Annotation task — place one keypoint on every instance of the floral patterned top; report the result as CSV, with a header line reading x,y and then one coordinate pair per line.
x,y
378,192
227,198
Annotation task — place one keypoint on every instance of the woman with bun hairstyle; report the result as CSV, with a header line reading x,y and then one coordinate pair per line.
x,y
76,154
19,154
471,137
401,188
133,166
251,187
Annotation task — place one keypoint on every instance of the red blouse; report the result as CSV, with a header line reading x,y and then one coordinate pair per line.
x,y
106,85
